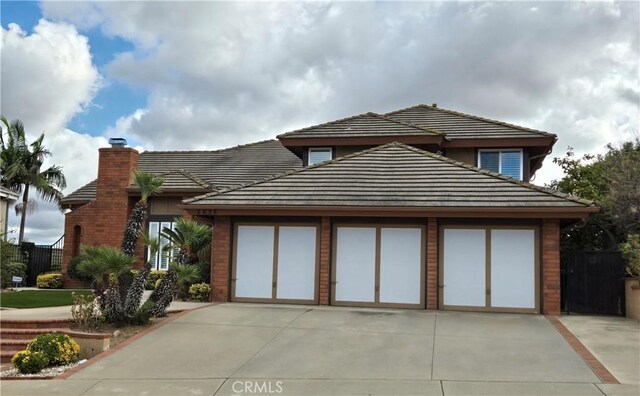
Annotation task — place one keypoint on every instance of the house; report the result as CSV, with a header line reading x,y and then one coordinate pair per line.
x,y
6,198
418,208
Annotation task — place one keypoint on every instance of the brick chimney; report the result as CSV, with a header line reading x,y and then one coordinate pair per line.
x,y
116,164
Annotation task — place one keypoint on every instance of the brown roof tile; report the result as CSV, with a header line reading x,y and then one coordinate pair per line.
x,y
391,175
456,125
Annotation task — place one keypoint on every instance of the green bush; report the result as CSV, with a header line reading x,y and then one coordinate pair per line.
x,y
72,270
200,291
631,252
158,282
11,269
57,347
28,362
50,281
153,277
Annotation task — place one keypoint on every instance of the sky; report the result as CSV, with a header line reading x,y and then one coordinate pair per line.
x,y
206,75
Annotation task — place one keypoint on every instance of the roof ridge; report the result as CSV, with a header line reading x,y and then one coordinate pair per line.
x,y
405,146
369,113
287,173
437,132
498,175
190,176
473,117
210,151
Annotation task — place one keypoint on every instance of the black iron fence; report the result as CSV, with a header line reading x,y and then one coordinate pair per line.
x,y
593,282
39,258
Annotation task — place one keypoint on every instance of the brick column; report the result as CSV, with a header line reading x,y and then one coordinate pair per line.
x,y
432,263
551,267
325,260
221,259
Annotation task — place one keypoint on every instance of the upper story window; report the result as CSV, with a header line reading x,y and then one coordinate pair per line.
x,y
508,162
319,154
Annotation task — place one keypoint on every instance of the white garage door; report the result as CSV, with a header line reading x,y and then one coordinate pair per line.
x,y
288,251
378,266
489,268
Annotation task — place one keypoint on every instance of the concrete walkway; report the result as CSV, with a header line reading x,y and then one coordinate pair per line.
x,y
64,311
293,350
614,341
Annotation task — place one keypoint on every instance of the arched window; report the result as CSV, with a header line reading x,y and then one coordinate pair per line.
x,y
76,241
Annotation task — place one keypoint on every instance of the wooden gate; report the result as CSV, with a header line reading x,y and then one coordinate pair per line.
x,y
593,282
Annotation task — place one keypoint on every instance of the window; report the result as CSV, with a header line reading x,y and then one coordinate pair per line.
x,y
507,162
77,240
319,154
160,261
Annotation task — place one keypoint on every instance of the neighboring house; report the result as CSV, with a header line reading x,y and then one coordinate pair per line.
x,y
7,197
373,210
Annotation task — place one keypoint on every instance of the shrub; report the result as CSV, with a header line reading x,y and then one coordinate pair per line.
x,y
85,311
11,269
205,272
158,282
72,270
57,347
50,281
28,362
631,252
152,279
200,291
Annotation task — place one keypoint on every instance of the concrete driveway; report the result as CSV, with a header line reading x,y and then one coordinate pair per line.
x,y
244,348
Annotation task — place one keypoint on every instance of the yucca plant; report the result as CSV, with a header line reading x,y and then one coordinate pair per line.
x,y
136,289
149,185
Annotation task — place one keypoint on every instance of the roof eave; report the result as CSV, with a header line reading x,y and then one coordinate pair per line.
x,y
577,212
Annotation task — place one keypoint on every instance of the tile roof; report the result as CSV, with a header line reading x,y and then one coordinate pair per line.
x,y
181,180
217,169
368,124
391,175
456,125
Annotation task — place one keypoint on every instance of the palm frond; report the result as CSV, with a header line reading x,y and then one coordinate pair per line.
x,y
148,183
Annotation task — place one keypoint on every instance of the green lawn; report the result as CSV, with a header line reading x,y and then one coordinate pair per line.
x,y
37,298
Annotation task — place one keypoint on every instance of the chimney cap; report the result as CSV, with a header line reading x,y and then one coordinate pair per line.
x,y
434,105
117,142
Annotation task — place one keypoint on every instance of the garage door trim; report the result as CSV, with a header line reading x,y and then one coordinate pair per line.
x,y
378,227
488,307
273,299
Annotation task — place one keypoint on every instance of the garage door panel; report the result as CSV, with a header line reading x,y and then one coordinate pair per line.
x,y
513,268
254,262
296,263
355,264
465,267
400,265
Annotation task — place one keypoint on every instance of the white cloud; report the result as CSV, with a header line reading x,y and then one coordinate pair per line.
x,y
227,73
47,77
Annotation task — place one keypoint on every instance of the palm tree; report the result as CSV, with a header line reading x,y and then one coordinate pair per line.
x,y
191,237
21,163
98,262
186,275
149,185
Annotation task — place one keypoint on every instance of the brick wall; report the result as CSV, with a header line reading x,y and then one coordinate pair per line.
x,y
220,259
102,221
432,263
551,267
325,260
